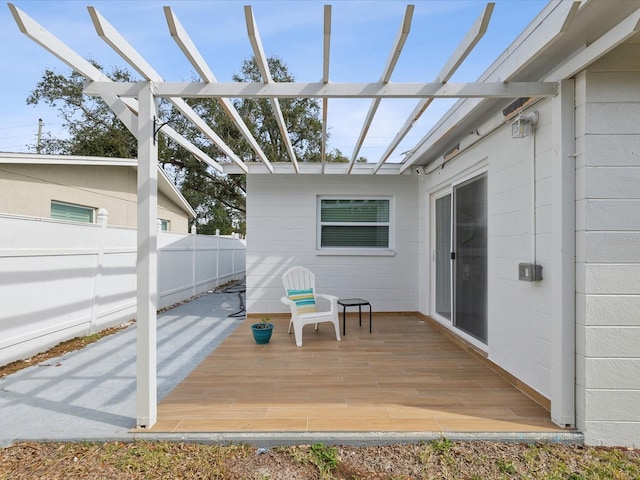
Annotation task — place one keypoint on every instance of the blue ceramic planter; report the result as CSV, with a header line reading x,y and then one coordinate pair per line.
x,y
262,332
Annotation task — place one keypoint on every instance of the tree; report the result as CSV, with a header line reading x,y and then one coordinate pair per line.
x,y
218,200
93,129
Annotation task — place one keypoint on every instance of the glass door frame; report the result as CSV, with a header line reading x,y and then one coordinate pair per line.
x,y
433,255
437,194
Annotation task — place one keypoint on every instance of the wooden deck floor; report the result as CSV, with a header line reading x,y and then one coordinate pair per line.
x,y
404,377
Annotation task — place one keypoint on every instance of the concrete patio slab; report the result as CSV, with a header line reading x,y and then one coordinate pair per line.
x,y
89,394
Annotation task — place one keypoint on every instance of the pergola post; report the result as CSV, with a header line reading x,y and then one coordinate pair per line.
x,y
147,282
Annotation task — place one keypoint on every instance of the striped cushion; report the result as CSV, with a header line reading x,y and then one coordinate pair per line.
x,y
304,299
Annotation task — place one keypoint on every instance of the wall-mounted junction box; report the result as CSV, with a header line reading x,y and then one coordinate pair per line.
x,y
529,272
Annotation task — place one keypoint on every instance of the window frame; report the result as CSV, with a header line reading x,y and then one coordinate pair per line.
x,y
374,251
165,225
92,210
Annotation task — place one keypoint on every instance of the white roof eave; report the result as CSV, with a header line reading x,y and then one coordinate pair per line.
x,y
316,168
537,52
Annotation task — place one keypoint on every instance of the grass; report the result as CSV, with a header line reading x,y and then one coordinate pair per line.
x,y
440,459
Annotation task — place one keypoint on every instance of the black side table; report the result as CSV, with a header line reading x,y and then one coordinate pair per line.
x,y
353,302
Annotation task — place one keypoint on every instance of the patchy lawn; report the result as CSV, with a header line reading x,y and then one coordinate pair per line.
x,y
441,459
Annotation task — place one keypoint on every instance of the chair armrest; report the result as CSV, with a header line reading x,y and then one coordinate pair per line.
x,y
331,298
291,304
288,301
333,301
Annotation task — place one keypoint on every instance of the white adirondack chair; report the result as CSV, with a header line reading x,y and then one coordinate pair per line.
x,y
295,281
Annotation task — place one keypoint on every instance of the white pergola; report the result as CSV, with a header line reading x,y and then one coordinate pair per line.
x,y
135,106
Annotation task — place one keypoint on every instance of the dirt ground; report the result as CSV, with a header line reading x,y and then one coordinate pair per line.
x,y
439,459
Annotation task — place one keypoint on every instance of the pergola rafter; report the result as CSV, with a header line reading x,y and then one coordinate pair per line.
x,y
123,48
263,66
558,27
182,39
470,40
386,76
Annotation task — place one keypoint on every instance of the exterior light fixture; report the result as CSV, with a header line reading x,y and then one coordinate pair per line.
x,y
524,125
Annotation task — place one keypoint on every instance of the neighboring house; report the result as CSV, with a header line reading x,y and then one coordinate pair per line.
x,y
75,188
564,196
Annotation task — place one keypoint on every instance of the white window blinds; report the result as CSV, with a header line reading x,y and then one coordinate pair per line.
x,y
354,223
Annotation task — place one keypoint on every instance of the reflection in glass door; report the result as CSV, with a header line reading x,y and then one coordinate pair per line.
x,y
443,256
470,257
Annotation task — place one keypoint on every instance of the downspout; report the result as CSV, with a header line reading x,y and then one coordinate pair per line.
x,y
563,258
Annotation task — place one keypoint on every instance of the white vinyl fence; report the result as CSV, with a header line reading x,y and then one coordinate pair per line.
x,y
60,280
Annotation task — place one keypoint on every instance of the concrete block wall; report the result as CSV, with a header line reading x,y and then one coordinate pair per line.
x,y
608,249
519,313
281,233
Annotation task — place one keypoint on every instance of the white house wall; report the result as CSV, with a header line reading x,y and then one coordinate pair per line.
x,y
519,313
281,233
608,249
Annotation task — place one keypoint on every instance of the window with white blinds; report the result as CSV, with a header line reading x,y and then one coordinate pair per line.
x,y
72,213
354,223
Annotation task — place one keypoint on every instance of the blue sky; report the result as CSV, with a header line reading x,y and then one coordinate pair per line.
x,y
363,33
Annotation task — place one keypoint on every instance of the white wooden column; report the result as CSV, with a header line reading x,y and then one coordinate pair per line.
x,y
563,351
147,278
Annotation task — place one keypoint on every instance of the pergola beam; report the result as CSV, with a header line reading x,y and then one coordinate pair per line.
x,y
121,46
263,66
465,47
386,76
333,90
184,42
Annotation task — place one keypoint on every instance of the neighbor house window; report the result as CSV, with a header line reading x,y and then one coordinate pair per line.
x,y
72,213
354,223
164,225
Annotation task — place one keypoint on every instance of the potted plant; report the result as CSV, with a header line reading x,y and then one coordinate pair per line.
x,y
262,331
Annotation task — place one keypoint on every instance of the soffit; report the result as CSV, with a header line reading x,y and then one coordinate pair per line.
x,y
591,23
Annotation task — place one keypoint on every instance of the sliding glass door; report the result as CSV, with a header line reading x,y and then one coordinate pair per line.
x,y
470,263
460,257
